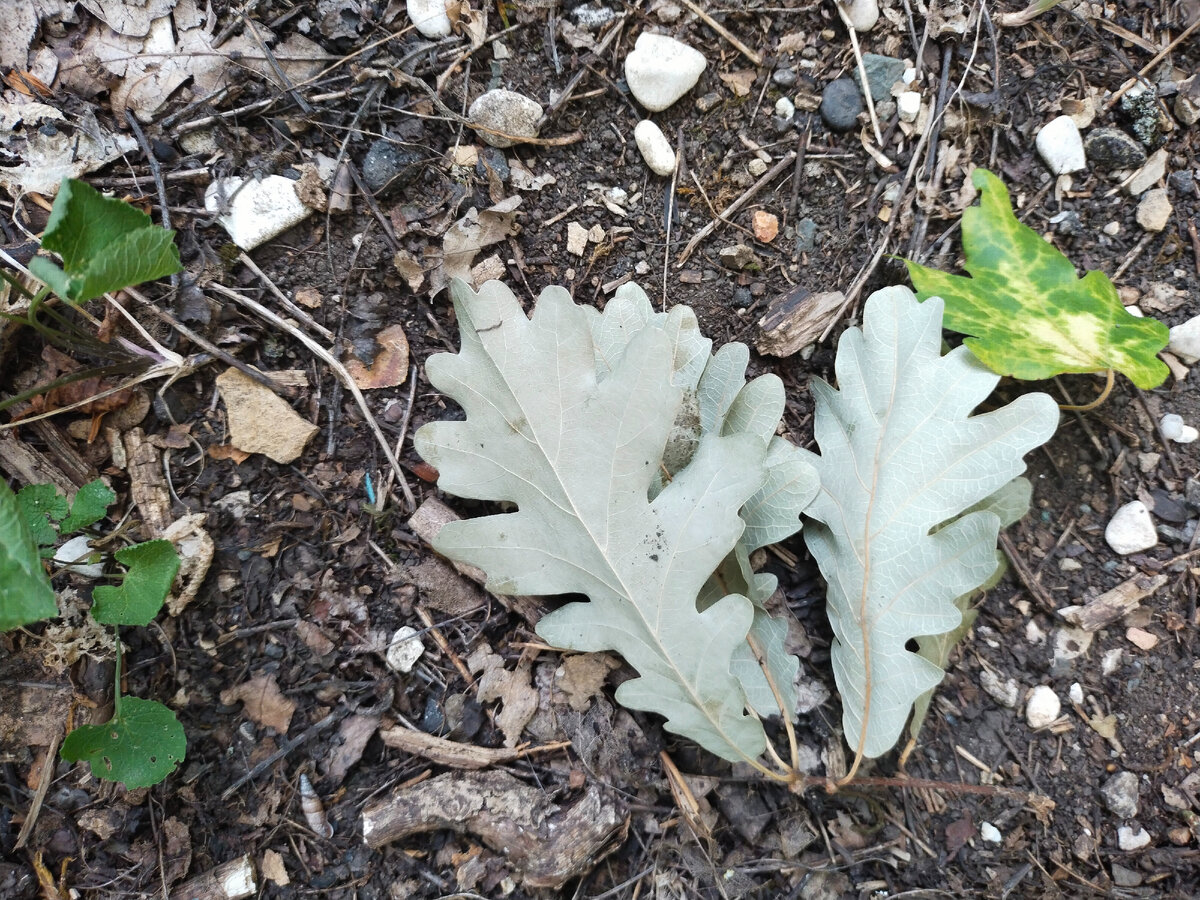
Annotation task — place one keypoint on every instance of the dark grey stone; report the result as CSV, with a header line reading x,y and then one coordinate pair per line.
x,y
784,77
495,160
806,236
841,103
387,165
1111,148
882,73
1145,118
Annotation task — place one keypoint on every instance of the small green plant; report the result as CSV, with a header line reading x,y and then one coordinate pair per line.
x,y
1026,312
646,469
143,741
105,245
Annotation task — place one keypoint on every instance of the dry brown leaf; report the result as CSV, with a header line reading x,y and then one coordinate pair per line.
x,y
470,234
273,868
263,701
582,677
739,82
390,367
228,451
354,732
512,689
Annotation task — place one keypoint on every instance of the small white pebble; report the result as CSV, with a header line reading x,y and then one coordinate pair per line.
x,y
77,548
1076,693
1171,426
909,106
1043,706
785,108
1128,839
1135,312
990,833
1187,435
1112,229
1111,661
404,650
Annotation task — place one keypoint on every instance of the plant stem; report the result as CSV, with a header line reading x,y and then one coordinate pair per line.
x,y
1110,378
117,676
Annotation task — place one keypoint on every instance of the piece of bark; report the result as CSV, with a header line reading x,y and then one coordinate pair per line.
x,y
796,319
229,881
147,486
545,844
459,756
30,466
1112,605
430,517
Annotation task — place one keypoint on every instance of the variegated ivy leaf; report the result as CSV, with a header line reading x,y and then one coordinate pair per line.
x,y
1026,312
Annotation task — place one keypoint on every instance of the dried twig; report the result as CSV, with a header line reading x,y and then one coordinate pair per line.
x,y
724,32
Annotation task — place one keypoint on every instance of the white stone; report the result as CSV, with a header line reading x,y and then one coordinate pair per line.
x,y
1069,565
1187,435
1151,172
756,167
1131,530
1076,693
1171,426
862,14
404,650
1005,692
1128,839
1111,661
77,549
656,150
1061,146
256,210
1185,340
429,17
1120,794
514,116
909,106
1154,211
577,238
1112,229
660,70
785,108
1070,643
990,833
1042,707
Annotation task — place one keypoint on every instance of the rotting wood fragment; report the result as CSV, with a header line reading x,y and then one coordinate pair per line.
x,y
1112,605
460,756
796,319
546,845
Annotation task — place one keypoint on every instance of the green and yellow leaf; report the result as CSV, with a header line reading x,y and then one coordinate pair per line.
x,y
1025,311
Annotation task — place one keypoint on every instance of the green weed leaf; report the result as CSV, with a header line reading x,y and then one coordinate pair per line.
x,y
573,429
25,593
89,506
1026,312
105,245
41,505
139,746
902,461
137,600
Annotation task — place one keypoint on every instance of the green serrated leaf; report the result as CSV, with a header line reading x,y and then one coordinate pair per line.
x,y
105,245
578,453
40,505
89,506
139,597
1026,312
25,592
140,746
900,456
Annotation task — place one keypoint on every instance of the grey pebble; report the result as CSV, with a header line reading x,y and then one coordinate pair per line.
x,y
806,236
1111,148
785,77
882,73
840,104
1120,794
387,165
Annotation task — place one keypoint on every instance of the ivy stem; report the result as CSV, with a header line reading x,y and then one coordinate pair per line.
x,y
117,676
1110,378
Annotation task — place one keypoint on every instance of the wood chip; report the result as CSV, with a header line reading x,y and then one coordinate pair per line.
x,y
1141,638
1112,605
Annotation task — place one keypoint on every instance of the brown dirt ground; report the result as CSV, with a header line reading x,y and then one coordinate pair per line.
x,y
302,548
